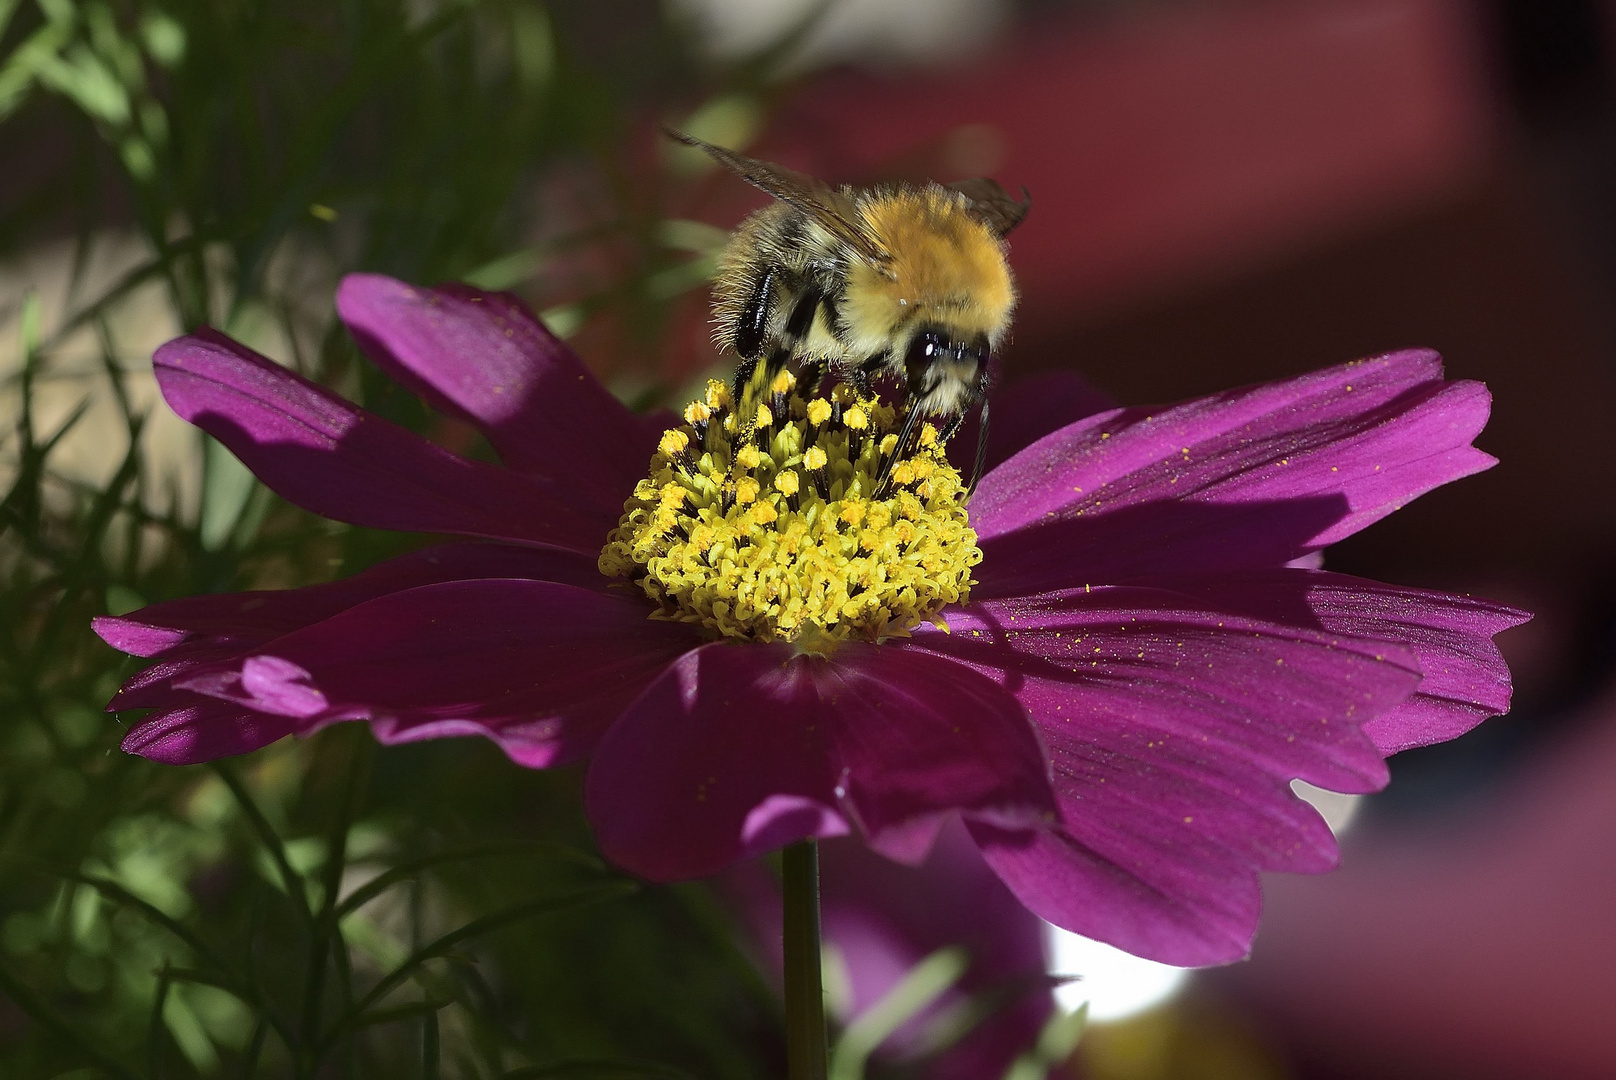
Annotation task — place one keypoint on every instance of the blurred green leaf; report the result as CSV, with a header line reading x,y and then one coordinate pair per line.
x,y
919,988
549,905
405,871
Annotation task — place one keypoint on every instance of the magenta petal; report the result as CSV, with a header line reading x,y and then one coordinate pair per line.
x,y
918,737
1250,478
251,618
536,666
1465,677
483,357
335,459
153,686
1174,730
1155,677
734,738
194,630
722,757
1190,909
193,729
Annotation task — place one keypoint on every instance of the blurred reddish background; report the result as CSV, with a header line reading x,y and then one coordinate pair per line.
x,y
1226,192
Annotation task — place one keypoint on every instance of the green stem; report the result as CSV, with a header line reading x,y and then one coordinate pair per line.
x,y
805,998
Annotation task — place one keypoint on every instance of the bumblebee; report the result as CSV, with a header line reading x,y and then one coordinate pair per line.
x,y
901,282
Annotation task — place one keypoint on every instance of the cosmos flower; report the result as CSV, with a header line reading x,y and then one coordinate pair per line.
x,y
1111,668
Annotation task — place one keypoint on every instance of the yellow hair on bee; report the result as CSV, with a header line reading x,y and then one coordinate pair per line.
x,y
947,267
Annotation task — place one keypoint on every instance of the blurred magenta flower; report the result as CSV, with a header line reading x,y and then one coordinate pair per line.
x,y
884,920
1117,711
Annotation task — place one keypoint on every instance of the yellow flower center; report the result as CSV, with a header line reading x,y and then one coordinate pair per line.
x,y
770,521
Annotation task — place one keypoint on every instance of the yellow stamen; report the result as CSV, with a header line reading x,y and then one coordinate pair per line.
x,y
782,529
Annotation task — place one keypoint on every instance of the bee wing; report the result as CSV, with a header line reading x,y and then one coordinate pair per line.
x,y
992,205
833,209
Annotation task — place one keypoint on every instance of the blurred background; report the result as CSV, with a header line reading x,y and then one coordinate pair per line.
x,y
1223,191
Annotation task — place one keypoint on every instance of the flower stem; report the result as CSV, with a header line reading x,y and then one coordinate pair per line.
x,y
805,999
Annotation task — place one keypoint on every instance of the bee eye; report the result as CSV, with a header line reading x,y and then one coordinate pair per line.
x,y
927,346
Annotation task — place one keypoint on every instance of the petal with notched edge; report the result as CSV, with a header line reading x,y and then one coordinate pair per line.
x,y
1174,730
193,728
331,457
1246,479
1465,679
736,750
540,668
483,357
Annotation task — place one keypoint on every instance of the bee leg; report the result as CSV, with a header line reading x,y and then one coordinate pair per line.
x,y
862,377
753,324
797,327
953,427
752,331
809,376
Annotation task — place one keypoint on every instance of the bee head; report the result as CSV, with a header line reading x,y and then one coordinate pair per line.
x,y
947,277
939,360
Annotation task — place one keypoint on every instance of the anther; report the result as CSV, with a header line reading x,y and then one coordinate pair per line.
x,y
718,398
782,385
814,460
673,444
696,415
